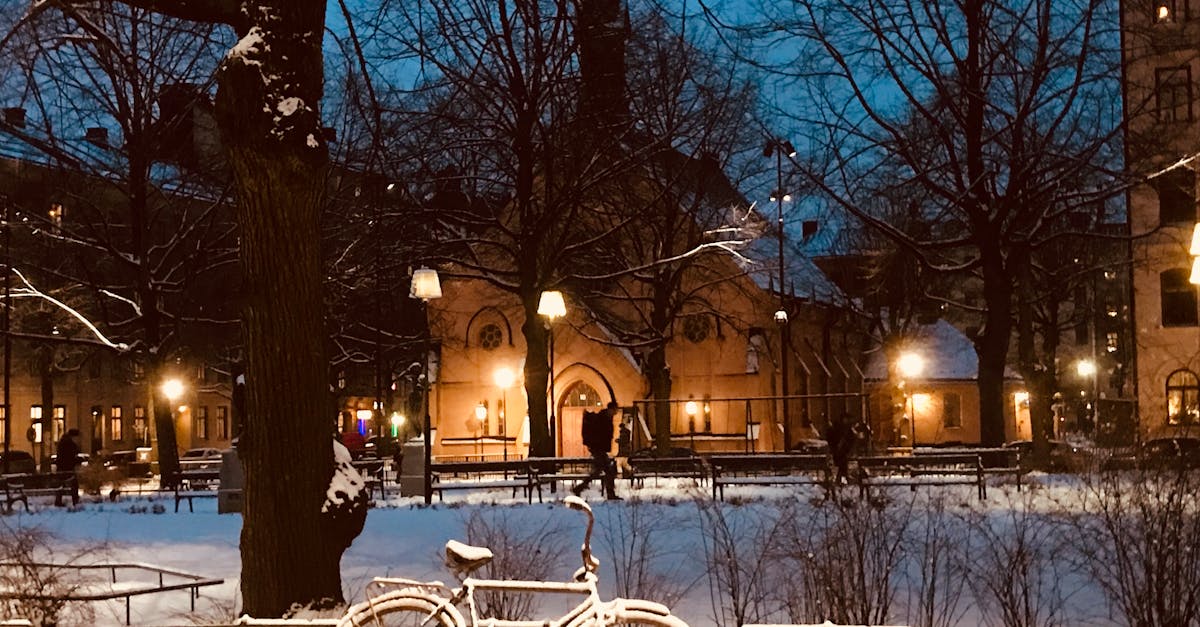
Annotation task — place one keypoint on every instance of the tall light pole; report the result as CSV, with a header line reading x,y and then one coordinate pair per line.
x,y
778,149
426,286
1086,369
552,306
910,365
504,379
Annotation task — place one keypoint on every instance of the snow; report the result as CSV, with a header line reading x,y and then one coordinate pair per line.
x,y
249,46
347,483
288,106
949,356
402,538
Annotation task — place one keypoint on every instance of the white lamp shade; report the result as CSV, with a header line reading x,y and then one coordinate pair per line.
x,y
425,284
910,365
1194,278
172,389
552,305
504,377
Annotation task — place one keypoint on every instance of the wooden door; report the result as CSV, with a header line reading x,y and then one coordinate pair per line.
x,y
570,424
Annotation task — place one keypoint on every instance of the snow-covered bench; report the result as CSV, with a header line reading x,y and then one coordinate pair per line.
x,y
515,474
18,488
688,467
922,470
768,469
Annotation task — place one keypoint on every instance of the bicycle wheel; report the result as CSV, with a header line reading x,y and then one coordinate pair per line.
x,y
402,608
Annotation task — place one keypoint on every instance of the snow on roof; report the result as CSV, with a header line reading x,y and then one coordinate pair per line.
x,y
801,275
948,354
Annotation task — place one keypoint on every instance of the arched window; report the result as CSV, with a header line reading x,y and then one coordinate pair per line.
x,y
1183,398
581,395
490,337
1178,298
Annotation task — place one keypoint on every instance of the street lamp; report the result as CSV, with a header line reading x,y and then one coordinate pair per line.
x,y
1086,369
910,365
481,416
426,287
778,149
504,378
397,422
552,306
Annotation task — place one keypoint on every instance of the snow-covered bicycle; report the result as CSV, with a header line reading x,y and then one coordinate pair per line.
x,y
412,602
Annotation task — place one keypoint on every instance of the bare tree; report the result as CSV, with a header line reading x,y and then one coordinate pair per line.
x,y
1000,112
267,109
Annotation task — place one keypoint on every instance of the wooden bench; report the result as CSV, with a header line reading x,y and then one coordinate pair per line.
x,y
769,469
922,469
372,471
690,467
18,488
200,483
515,474
551,470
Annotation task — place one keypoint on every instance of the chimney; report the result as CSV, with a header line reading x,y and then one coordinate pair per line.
x,y
97,135
14,116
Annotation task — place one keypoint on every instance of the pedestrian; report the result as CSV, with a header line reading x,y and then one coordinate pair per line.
x,y
597,432
66,461
624,448
841,441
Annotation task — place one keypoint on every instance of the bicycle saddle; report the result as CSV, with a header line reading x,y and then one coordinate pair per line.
x,y
464,558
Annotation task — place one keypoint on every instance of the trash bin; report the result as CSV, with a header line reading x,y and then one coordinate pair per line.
x,y
229,491
412,468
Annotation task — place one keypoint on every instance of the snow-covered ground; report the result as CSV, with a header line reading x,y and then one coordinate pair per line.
x,y
401,537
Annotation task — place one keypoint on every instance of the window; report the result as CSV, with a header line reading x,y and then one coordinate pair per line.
x,y
581,395
58,425
1183,396
115,424
1173,94
201,426
490,337
1178,298
696,328
1177,196
1112,341
951,410
223,423
141,429
1169,11
808,228
35,421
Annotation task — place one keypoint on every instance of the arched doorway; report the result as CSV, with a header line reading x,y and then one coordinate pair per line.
x,y
579,397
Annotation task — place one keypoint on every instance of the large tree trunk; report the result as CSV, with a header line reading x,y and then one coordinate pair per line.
x,y
537,372
992,348
269,91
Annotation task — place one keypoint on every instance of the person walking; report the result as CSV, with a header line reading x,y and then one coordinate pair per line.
x,y
624,448
841,442
597,432
66,461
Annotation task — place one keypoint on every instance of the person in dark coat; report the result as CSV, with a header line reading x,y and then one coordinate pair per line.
x,y
67,460
597,432
841,441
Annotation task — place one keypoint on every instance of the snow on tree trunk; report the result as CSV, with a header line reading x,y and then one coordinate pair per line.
x,y
269,89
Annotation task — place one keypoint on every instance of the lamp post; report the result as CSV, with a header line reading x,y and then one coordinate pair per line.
x,y
910,365
552,306
504,378
779,148
481,418
426,287
691,409
1086,369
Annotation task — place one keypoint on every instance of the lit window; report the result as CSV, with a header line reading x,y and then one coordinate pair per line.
x,y
1183,398
115,424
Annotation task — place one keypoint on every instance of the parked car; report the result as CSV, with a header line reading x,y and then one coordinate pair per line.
x,y
381,446
127,463
19,462
82,460
200,459
1158,453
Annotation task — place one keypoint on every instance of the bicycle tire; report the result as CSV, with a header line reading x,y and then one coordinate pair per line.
x,y
632,612
402,608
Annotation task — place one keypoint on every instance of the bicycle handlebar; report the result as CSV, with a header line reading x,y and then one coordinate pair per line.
x,y
590,564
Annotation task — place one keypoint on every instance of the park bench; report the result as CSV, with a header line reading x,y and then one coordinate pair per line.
x,y
688,467
551,470
195,483
372,471
768,469
18,488
933,469
478,475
